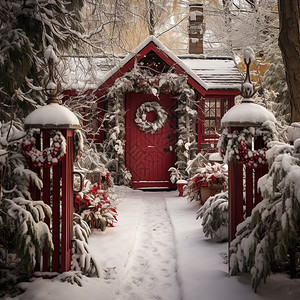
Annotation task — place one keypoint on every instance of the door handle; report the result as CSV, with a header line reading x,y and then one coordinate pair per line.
x,y
81,181
170,148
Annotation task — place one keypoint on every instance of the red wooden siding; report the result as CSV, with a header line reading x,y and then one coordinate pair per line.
x,y
58,193
148,156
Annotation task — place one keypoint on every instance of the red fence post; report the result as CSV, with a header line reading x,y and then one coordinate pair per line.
x,y
57,189
242,181
67,204
45,138
235,190
57,192
249,191
56,217
249,116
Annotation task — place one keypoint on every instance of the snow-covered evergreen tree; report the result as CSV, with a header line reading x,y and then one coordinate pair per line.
x,y
23,234
27,27
82,260
264,239
214,217
275,80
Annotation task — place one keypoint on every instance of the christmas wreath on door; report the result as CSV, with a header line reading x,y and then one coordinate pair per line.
x,y
141,117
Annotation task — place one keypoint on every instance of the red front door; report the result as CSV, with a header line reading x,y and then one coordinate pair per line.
x,y
150,155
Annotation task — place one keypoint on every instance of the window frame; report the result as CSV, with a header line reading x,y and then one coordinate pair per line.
x,y
208,142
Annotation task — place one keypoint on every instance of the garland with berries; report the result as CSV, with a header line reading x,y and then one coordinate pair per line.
x,y
141,117
140,80
49,156
238,145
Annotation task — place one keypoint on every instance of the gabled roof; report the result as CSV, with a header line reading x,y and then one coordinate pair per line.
x,y
153,44
160,47
204,73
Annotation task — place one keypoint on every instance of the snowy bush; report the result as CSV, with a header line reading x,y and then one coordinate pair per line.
x,y
175,175
206,176
264,239
193,164
214,217
96,204
82,260
24,235
278,96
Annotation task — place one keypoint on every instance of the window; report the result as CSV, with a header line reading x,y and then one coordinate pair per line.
x,y
213,109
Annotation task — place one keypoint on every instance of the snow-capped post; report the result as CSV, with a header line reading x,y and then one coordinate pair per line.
x,y
49,149
243,143
180,185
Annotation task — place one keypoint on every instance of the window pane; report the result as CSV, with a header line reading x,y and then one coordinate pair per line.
x,y
218,108
214,109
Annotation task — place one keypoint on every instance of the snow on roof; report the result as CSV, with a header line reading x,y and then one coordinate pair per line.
x,y
52,115
210,72
85,72
216,72
246,113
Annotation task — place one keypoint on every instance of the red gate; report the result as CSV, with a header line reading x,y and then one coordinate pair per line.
x,y
150,155
238,176
57,192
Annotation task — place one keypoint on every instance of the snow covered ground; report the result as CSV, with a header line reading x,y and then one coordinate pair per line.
x,y
158,251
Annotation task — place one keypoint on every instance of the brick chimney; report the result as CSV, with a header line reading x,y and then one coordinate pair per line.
x,y
196,29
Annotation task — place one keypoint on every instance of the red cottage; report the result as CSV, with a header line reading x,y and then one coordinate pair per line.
x,y
157,110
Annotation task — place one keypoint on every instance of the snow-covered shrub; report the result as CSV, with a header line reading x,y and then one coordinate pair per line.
x,y
71,277
208,175
82,260
90,207
278,96
263,239
97,202
24,235
96,206
175,175
214,216
193,164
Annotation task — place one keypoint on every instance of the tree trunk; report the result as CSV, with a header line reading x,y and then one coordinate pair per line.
x,y
151,22
289,44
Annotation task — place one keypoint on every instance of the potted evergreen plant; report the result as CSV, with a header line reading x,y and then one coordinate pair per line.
x,y
210,180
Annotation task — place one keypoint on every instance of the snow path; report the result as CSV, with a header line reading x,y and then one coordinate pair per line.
x,y
158,251
151,266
